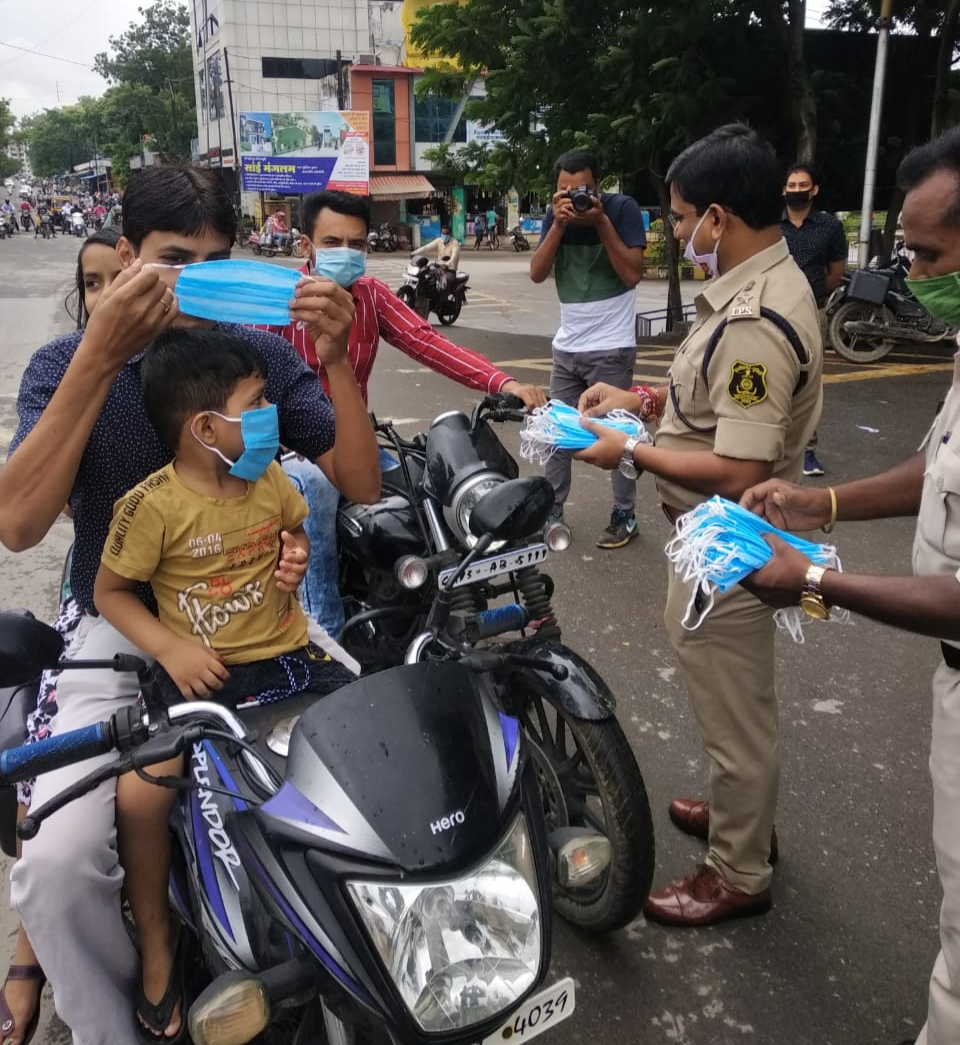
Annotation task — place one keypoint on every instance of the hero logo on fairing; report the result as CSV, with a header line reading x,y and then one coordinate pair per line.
x,y
445,823
221,846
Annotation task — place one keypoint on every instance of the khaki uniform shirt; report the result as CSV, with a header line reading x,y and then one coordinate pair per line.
x,y
758,402
936,545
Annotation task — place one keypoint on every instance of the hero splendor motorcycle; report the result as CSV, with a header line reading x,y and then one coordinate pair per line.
x,y
420,576
372,866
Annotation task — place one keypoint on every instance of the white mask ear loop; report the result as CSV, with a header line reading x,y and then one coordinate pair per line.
x,y
223,457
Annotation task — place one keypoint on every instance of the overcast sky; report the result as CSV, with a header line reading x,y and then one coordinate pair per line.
x,y
77,30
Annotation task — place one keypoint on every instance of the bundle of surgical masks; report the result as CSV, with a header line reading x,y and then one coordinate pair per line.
x,y
556,426
719,543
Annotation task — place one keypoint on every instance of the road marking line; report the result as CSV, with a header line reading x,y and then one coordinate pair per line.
x,y
897,370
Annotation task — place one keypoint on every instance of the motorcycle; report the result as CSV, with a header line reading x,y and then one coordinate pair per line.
x,y
46,225
419,575
382,238
368,866
7,226
873,311
430,287
78,224
26,220
517,239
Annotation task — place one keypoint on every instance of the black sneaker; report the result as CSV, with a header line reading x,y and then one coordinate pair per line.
x,y
620,531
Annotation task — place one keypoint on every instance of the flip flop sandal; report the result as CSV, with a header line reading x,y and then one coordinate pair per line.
x,y
8,1028
152,1020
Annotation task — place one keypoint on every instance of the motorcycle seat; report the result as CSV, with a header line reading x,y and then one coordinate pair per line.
x,y
461,278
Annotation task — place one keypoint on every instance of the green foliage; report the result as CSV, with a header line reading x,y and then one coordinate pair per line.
x,y
150,71
7,166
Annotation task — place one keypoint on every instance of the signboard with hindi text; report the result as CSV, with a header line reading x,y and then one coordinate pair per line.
x,y
294,152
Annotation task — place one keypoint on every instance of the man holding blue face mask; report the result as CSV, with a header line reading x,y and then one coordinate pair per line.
x,y
335,240
84,438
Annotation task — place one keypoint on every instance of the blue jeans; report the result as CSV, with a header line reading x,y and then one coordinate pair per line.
x,y
320,590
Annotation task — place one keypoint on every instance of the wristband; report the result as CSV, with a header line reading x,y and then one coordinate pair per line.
x,y
828,527
650,401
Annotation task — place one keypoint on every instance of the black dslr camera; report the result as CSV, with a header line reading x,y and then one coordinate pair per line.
x,y
581,197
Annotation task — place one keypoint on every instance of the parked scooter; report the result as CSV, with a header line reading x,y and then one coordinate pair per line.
x,y
431,287
271,248
421,573
371,866
872,312
517,238
382,238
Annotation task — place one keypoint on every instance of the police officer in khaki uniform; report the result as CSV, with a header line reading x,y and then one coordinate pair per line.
x,y
744,397
928,485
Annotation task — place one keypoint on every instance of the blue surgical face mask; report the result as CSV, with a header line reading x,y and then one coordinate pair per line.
x,y
237,291
260,431
341,264
446,237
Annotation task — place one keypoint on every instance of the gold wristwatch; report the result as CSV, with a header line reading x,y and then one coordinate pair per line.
x,y
811,598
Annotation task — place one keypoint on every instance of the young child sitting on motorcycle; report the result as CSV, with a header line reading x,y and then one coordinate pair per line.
x,y
98,264
218,535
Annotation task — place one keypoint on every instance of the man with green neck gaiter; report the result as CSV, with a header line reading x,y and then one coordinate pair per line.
x,y
928,603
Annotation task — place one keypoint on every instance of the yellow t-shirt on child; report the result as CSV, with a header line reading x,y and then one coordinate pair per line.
x,y
211,561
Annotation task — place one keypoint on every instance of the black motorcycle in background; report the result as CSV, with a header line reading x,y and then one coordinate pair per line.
x,y
382,238
421,582
429,287
518,240
872,312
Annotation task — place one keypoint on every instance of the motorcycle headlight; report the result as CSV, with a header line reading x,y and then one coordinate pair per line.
x,y
464,501
464,950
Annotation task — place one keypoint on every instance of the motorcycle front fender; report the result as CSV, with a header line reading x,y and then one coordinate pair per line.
x,y
582,694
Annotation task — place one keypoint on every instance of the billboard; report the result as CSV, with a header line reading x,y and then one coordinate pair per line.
x,y
289,152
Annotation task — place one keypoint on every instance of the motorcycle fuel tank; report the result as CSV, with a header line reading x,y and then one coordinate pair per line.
x,y
378,534
412,767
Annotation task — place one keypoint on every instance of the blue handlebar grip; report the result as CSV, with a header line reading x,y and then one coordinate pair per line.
x,y
29,760
502,619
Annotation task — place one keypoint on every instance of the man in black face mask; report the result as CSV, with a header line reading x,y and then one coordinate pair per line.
x,y
819,246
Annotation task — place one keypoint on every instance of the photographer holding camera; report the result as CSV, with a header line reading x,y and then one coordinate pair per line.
x,y
594,243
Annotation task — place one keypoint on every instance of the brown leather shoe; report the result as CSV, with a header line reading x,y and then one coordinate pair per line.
x,y
692,815
704,898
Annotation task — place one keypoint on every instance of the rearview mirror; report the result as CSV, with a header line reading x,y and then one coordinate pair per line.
x,y
27,647
515,508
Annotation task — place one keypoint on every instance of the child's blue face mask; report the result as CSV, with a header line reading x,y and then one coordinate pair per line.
x,y
341,264
237,291
260,431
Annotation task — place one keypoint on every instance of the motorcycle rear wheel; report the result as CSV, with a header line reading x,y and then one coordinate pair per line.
x,y
589,777
860,348
405,294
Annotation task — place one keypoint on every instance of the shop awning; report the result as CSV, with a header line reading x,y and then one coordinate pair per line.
x,y
400,187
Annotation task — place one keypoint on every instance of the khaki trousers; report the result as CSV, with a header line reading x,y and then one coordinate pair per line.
x,y
728,668
943,1005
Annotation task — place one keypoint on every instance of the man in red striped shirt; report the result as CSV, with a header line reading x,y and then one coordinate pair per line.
x,y
338,219
335,238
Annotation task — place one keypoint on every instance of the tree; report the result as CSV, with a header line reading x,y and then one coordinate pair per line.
x,y
8,166
151,62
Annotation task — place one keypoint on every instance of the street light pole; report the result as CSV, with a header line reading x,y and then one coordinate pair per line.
x,y
873,136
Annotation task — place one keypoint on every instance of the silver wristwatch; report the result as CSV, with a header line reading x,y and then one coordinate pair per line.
x,y
627,465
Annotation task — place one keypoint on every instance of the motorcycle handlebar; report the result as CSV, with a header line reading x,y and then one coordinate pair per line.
x,y
29,760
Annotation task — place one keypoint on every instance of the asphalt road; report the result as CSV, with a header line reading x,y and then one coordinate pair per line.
x,y
844,955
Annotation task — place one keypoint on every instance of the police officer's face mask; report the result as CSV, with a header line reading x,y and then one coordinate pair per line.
x,y
940,296
708,262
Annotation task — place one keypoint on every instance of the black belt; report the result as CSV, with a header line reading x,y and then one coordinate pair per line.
x,y
951,656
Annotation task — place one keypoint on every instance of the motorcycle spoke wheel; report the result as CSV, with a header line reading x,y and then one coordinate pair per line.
x,y
448,312
589,778
860,348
